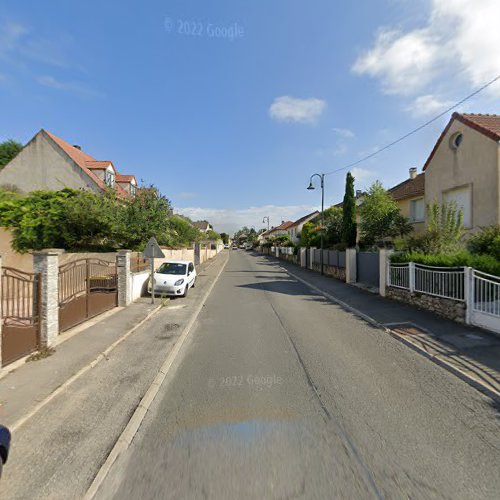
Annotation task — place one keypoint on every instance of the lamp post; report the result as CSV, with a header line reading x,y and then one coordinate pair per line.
x,y
264,220
311,187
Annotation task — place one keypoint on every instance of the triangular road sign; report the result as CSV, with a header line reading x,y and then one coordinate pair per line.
x,y
153,250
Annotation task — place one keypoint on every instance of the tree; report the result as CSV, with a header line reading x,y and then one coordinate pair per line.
x,y
212,235
145,216
380,216
183,233
8,150
225,238
349,229
310,236
333,226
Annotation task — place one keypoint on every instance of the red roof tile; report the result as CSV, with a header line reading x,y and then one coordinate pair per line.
x,y
83,160
409,188
303,219
488,125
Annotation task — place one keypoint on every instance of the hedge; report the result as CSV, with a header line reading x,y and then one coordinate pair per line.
x,y
485,263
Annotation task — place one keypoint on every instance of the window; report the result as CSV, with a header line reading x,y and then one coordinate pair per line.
x,y
455,140
417,210
462,198
133,189
172,268
109,178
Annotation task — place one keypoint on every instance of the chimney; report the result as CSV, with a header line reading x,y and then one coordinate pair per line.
x,y
77,146
413,172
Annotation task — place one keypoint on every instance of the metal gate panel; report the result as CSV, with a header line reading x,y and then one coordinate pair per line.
x,y
368,268
87,287
485,300
20,312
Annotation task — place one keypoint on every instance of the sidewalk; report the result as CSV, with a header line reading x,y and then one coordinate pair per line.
x,y
23,387
467,350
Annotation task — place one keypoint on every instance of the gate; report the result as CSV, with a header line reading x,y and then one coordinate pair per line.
x,y
368,268
485,300
87,287
20,313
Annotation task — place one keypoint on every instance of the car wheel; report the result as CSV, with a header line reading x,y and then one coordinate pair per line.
x,y
194,283
186,291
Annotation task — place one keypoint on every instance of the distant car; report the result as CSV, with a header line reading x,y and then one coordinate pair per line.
x,y
175,277
226,246
4,446
235,247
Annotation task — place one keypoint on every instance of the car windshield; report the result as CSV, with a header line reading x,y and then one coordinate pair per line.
x,y
172,268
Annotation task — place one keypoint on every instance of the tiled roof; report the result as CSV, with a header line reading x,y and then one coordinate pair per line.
x,y
99,165
83,160
282,227
409,188
303,219
202,225
488,125
125,178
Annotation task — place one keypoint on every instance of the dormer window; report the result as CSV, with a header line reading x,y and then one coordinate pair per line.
x,y
133,189
109,178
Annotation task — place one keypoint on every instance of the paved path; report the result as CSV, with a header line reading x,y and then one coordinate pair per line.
x,y
59,450
281,394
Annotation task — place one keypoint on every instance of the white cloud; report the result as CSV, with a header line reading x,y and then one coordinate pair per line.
x,y
458,42
363,177
292,109
428,105
19,46
77,88
345,133
230,220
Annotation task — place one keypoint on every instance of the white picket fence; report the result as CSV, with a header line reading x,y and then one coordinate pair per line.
x,y
480,291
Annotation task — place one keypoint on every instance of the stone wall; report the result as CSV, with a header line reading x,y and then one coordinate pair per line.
x,y
451,309
333,271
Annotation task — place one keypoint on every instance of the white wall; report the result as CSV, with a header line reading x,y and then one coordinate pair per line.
x,y
138,284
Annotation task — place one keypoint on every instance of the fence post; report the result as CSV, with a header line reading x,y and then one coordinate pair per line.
x,y
411,276
350,265
46,262
302,254
311,257
124,278
468,293
384,268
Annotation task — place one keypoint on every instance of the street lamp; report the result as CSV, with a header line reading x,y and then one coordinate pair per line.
x,y
264,220
311,187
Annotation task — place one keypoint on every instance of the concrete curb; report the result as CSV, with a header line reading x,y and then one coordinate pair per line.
x,y
126,437
466,377
79,373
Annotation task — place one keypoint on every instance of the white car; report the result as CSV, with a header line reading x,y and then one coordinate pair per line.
x,y
174,277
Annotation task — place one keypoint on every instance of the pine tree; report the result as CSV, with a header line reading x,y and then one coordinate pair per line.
x,y
349,213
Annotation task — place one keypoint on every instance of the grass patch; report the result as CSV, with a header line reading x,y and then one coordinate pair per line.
x,y
43,353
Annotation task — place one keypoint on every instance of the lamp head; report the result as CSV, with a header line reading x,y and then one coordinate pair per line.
x,y
310,187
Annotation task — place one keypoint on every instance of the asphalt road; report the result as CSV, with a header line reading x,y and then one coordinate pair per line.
x,y
280,394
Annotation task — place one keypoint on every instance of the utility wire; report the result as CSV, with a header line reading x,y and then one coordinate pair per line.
x,y
414,131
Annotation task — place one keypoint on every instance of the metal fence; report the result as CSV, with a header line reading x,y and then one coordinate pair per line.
x,y
485,300
446,282
333,258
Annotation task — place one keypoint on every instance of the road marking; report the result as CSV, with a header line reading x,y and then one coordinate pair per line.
x,y
126,437
472,380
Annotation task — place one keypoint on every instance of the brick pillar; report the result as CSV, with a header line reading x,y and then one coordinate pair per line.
x,y
46,262
350,265
197,259
124,278
384,263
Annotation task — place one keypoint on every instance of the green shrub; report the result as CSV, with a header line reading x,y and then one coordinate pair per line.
x,y
485,263
487,241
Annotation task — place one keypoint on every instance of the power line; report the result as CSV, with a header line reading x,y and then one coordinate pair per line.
x,y
414,131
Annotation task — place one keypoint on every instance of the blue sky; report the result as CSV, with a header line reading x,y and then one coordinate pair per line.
x,y
231,129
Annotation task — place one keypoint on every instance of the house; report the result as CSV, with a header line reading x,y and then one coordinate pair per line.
x,y
409,196
49,162
275,231
295,229
464,167
203,226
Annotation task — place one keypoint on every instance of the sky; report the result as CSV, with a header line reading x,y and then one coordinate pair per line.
x,y
229,106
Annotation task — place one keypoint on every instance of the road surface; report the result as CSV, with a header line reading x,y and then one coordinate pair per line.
x,y
280,394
